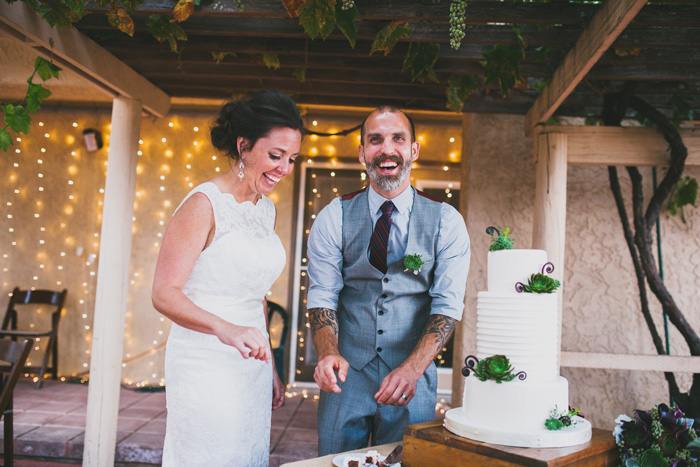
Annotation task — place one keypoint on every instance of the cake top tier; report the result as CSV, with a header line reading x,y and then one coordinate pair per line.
x,y
508,267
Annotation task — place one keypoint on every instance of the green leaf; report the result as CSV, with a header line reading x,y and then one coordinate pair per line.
x,y
317,17
502,65
652,458
35,94
62,14
460,87
389,35
5,139
220,56
540,85
130,5
541,52
197,2
45,69
271,61
121,19
522,43
163,30
346,21
590,120
17,118
420,59
300,74
553,424
682,110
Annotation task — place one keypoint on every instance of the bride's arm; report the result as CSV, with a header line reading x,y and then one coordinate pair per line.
x,y
277,385
188,233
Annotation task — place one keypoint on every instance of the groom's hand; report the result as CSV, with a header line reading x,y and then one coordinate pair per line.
x,y
324,375
398,387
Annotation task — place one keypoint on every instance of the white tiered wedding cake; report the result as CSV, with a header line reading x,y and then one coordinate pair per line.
x,y
524,327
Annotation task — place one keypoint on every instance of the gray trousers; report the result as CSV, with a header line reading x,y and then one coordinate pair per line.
x,y
346,420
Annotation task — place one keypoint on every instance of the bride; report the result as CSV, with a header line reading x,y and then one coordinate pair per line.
x,y
218,258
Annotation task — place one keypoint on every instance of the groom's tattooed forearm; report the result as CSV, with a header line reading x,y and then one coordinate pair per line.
x,y
319,318
441,327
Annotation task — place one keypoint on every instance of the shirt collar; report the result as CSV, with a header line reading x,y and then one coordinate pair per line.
x,y
402,203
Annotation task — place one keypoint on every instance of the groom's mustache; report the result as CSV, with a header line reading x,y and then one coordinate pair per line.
x,y
381,159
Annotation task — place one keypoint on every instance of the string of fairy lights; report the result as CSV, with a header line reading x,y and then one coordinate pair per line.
x,y
52,206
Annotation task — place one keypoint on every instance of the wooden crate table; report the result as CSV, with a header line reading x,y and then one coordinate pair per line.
x,y
429,444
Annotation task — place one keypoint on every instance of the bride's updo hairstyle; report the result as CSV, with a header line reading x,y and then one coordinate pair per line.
x,y
253,117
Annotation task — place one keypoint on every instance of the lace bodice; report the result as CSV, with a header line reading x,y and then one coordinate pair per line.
x,y
245,256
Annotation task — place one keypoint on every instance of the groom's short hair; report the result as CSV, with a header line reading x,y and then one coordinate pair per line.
x,y
391,109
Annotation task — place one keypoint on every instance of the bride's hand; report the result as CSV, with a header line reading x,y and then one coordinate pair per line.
x,y
277,391
249,341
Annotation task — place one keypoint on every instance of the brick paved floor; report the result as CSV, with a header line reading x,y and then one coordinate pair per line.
x,y
49,426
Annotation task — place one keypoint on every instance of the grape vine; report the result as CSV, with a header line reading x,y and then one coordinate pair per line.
x,y
458,15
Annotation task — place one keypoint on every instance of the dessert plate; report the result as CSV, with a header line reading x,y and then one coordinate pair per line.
x,y
339,460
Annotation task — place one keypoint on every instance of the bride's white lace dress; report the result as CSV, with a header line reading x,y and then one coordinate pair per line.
x,y
219,404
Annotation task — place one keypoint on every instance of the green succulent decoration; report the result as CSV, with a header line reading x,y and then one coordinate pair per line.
x,y
496,368
539,283
558,421
500,241
413,263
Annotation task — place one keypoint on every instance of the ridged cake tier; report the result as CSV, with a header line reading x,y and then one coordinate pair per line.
x,y
522,327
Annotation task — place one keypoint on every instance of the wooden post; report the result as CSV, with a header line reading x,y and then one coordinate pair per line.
x,y
462,338
112,284
549,229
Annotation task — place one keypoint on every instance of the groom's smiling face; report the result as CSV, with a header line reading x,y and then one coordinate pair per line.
x,y
388,150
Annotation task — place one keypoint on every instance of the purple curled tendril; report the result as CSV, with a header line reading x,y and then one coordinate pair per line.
x,y
548,268
491,230
519,287
471,362
521,375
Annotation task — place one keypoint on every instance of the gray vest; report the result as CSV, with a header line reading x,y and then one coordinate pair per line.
x,y
384,314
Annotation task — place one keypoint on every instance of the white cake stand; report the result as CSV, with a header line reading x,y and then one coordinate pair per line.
x,y
578,433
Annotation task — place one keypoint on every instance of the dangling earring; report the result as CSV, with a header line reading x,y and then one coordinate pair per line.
x,y
240,172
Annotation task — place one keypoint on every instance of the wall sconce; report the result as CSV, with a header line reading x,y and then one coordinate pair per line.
x,y
93,139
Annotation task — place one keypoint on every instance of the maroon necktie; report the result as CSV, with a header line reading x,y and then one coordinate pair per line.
x,y
380,238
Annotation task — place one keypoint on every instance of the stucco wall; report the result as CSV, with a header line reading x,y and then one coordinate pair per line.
x,y
600,299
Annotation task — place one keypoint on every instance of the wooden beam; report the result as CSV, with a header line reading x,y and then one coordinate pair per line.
x,y
607,24
73,50
623,146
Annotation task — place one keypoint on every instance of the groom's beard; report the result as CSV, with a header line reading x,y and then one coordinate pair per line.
x,y
388,182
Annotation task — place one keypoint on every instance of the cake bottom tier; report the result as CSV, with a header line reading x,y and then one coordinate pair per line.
x,y
457,423
521,405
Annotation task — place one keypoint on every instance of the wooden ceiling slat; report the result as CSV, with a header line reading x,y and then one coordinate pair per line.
x,y
422,32
428,11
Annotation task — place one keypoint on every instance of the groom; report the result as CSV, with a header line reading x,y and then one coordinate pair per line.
x,y
376,325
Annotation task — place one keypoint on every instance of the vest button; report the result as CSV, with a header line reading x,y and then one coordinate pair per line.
x,y
383,295
379,349
380,332
380,312
386,279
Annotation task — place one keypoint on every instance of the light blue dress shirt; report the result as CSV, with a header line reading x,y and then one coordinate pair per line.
x,y
325,254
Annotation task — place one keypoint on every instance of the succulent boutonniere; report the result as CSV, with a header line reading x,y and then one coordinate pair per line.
x,y
413,263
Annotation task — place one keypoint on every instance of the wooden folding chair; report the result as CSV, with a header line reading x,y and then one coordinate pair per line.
x,y
14,353
31,300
